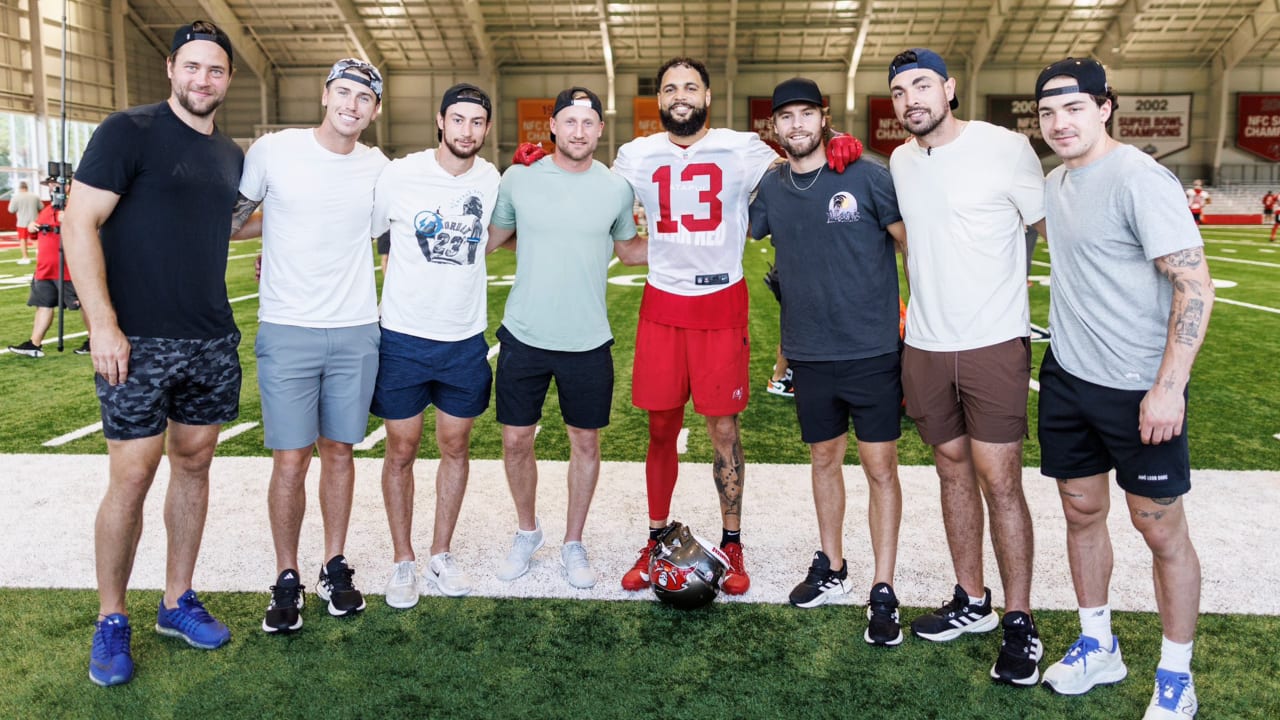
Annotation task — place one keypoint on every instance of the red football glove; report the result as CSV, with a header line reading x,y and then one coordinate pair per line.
x,y
528,153
842,151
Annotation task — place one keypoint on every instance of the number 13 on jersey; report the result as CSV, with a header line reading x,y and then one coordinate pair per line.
x,y
706,213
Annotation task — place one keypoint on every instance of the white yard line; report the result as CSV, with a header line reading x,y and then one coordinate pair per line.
x,y
1251,306
493,351
375,437
73,435
235,430
1242,261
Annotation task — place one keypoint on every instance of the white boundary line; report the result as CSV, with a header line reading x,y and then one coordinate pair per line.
x,y
1251,306
73,435
1242,261
235,430
378,435
682,441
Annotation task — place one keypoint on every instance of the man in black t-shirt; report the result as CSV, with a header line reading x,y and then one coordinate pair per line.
x,y
835,237
146,236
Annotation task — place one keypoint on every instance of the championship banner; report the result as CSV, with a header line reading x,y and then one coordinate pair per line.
x,y
1258,124
1018,113
1158,125
645,119
534,116
884,132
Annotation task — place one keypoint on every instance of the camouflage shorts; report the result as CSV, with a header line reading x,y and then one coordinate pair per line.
x,y
194,382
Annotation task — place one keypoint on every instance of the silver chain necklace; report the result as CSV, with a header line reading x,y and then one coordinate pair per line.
x,y
791,173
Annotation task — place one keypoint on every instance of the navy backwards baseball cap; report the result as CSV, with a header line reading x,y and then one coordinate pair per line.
x,y
351,69
795,90
201,30
1090,78
579,96
921,59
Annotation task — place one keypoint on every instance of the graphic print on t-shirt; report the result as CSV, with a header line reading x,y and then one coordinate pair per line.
x,y
843,208
442,233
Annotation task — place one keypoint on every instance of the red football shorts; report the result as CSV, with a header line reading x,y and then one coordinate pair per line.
x,y
673,363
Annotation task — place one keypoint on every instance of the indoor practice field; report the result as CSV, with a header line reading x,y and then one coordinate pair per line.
x,y
575,656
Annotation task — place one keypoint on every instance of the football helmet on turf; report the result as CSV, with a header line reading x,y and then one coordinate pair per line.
x,y
686,570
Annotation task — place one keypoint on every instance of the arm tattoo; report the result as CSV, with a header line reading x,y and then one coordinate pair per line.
x,y
1158,514
240,213
1189,258
727,472
1165,500
1187,324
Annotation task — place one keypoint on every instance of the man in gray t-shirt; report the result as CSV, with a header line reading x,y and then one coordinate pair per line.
x,y
1130,303
835,236
26,206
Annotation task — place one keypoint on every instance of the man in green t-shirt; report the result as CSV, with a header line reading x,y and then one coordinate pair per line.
x,y
570,215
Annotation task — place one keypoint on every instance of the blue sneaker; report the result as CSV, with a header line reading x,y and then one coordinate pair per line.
x,y
1174,698
111,661
191,622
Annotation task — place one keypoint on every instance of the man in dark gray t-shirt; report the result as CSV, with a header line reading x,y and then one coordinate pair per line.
x,y
835,236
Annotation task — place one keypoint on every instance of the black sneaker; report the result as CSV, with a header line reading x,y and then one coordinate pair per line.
x,y
83,349
336,589
821,584
957,618
1020,651
882,617
283,614
27,348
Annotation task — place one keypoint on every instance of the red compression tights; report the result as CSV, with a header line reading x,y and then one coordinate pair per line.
x,y
661,464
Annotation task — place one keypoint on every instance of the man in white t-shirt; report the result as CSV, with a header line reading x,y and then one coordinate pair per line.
x,y
437,204
694,184
966,190
317,351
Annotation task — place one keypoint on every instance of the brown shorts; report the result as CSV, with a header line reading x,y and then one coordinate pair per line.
x,y
981,393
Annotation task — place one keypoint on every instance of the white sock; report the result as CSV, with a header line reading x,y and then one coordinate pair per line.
x,y
980,601
1175,657
1096,623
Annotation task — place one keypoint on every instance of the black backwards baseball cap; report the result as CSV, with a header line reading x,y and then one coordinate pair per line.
x,y
201,30
576,96
1090,78
920,59
351,69
464,92
795,90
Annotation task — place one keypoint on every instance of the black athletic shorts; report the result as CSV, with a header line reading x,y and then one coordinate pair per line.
x,y
584,383
194,382
1087,429
828,393
44,293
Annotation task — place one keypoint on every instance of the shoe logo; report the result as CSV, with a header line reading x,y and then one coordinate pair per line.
x,y
290,576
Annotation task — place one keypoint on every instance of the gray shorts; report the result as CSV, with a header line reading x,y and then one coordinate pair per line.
x,y
315,382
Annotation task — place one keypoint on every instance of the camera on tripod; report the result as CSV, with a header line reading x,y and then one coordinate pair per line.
x,y
60,176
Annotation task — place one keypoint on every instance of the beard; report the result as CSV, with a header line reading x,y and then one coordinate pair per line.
x,y
205,109
801,147
459,152
931,122
697,120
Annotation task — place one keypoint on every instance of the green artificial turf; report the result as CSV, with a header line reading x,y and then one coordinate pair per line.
x,y
488,658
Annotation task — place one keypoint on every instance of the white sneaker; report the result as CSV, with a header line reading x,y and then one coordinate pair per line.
x,y
402,588
1174,698
522,549
24,261
573,557
450,579
1086,665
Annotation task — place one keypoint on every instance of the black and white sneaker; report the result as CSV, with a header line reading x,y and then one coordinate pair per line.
x,y
336,588
1020,651
821,584
957,618
283,614
27,348
883,627
83,349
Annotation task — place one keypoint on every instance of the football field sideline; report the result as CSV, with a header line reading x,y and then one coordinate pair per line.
x,y
52,539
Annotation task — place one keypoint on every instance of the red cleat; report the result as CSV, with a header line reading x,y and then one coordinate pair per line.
x,y
736,581
637,578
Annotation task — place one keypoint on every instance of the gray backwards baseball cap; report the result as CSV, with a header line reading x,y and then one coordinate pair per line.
x,y
920,59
